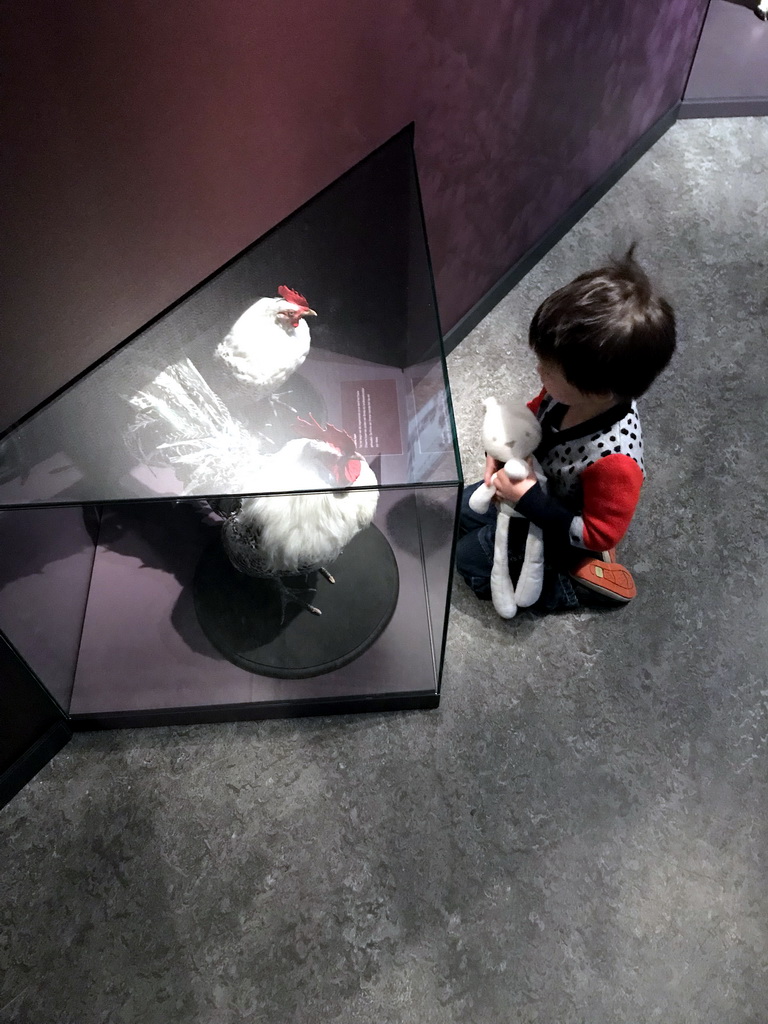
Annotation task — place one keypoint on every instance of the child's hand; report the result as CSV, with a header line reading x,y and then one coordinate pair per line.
x,y
513,490
491,466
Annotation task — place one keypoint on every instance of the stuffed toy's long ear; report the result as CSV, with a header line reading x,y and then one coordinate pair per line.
x,y
502,588
531,578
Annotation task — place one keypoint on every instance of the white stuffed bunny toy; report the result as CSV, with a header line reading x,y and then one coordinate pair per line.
x,y
511,434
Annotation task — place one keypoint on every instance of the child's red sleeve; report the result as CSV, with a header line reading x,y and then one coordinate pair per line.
x,y
610,491
534,403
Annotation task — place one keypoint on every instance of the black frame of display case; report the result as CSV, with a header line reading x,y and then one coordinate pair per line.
x,y
217,713
54,735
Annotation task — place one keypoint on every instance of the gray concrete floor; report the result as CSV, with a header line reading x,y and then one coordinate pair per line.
x,y
577,835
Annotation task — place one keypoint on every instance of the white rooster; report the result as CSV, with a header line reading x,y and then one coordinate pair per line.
x,y
268,342
292,534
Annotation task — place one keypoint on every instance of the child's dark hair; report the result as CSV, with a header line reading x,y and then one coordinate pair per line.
x,y
608,331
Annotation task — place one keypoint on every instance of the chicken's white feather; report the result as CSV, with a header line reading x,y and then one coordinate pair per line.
x,y
298,531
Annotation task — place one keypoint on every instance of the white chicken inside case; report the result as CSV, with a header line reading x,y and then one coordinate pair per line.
x,y
250,507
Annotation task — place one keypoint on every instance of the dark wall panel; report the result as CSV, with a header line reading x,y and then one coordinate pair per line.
x,y
32,728
146,143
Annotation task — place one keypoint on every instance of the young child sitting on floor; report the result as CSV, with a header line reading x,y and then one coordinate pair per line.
x,y
601,341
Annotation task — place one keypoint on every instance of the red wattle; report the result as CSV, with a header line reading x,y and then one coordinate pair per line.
x,y
352,470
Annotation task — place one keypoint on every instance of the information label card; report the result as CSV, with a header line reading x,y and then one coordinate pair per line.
x,y
370,414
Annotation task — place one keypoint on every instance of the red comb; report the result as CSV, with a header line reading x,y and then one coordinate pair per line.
x,y
291,296
332,435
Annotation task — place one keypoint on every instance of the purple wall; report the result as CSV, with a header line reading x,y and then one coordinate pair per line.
x,y
146,142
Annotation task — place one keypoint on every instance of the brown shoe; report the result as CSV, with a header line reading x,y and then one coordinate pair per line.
x,y
607,578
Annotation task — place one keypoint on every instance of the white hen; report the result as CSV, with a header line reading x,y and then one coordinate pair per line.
x,y
268,342
292,534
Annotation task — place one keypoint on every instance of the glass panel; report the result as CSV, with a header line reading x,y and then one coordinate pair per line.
x,y
196,402
168,625
437,512
46,559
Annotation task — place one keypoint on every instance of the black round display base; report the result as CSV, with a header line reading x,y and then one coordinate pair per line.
x,y
248,622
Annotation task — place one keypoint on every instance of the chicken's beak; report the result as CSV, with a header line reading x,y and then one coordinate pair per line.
x,y
307,312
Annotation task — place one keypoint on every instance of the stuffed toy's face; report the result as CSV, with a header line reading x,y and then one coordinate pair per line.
x,y
509,431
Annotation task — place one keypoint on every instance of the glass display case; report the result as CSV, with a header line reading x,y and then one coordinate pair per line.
x,y
249,508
